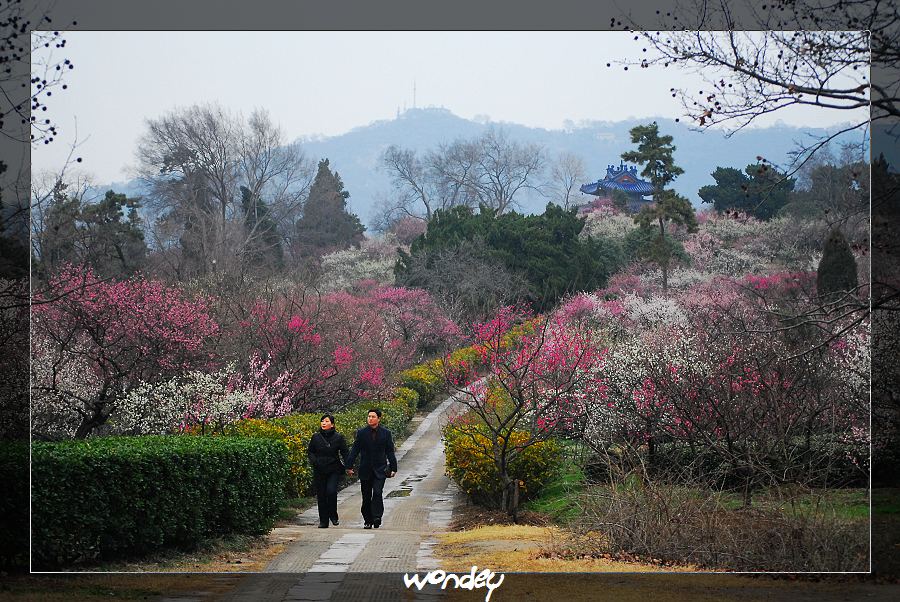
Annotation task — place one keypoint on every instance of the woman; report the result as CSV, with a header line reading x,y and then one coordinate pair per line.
x,y
323,451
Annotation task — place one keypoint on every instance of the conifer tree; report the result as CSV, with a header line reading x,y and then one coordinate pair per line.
x,y
837,268
263,248
326,225
655,154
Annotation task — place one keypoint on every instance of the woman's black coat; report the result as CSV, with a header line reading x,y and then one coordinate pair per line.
x,y
323,452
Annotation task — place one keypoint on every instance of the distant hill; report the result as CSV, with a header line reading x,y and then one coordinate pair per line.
x,y
355,155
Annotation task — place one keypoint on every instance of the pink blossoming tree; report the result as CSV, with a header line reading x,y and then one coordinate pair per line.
x,y
94,339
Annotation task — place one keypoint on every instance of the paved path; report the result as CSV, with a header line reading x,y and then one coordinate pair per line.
x,y
418,503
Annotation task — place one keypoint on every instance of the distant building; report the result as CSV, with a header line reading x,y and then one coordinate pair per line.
x,y
624,178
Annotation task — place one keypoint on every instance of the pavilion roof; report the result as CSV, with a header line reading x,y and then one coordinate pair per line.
x,y
619,177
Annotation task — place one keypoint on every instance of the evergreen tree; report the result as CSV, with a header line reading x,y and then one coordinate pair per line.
x,y
59,235
326,225
99,234
655,154
543,249
837,269
112,243
759,190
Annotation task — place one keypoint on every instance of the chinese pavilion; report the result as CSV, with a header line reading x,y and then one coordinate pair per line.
x,y
624,178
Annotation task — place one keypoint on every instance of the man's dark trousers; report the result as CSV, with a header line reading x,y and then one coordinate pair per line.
x,y
377,459
326,493
372,502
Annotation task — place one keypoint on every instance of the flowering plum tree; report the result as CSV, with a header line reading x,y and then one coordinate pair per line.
x,y
413,317
724,378
95,339
541,376
330,350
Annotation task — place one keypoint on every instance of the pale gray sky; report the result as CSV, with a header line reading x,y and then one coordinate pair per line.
x,y
330,82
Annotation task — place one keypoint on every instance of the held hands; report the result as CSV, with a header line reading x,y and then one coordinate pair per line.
x,y
350,472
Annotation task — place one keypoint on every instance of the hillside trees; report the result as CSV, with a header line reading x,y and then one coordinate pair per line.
x,y
544,250
566,175
107,234
195,162
489,170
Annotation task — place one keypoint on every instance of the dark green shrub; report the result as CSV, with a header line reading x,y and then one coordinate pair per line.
x,y
120,496
836,273
14,505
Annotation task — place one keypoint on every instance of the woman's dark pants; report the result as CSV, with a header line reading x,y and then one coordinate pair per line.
x,y
326,495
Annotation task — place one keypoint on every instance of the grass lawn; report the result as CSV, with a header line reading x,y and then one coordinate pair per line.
x,y
558,500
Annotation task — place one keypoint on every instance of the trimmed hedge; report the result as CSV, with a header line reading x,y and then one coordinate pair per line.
x,y
470,463
118,496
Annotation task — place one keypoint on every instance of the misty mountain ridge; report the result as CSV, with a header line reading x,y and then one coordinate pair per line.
x,y
356,154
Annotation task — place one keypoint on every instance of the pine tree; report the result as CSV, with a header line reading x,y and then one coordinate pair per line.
x,y
326,225
837,269
655,153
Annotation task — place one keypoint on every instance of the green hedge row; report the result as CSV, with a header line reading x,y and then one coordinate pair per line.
x,y
14,505
118,496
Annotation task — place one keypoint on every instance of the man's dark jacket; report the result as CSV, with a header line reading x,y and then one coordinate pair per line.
x,y
376,456
323,452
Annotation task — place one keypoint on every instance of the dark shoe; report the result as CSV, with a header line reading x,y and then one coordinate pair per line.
x,y
377,523
335,522
323,525
367,526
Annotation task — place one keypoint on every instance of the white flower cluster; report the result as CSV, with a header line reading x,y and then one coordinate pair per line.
x,y
196,398
735,262
729,229
63,385
679,278
654,311
342,269
613,227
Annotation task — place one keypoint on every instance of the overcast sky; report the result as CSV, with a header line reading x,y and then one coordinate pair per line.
x,y
330,82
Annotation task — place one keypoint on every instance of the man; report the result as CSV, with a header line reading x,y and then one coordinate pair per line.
x,y
375,446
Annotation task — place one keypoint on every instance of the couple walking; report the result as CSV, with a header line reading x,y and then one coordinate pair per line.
x,y
374,445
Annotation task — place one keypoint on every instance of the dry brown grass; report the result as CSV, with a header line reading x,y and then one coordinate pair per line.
x,y
525,548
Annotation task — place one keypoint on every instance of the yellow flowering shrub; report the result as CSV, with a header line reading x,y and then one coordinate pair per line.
x,y
424,379
470,463
408,397
295,432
